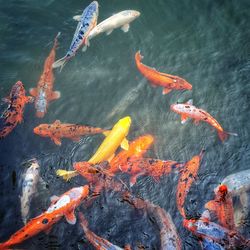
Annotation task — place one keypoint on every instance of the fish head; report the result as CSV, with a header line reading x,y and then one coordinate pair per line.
x,y
43,130
124,124
178,108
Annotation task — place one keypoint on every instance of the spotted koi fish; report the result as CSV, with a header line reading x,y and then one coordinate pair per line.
x,y
222,207
58,130
44,93
156,78
187,110
61,206
14,113
87,22
187,177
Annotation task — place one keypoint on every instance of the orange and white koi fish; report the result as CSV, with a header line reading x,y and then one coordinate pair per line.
x,y
44,93
188,175
58,130
137,148
222,207
168,232
98,242
14,113
61,206
168,82
187,110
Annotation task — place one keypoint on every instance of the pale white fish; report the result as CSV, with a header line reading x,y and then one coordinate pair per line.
x,y
119,20
29,188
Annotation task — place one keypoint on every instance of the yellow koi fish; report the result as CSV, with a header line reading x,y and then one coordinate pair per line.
x,y
106,151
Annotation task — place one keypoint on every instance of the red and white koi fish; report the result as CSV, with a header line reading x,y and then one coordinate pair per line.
x,y
44,93
14,113
168,82
188,175
61,206
187,110
98,242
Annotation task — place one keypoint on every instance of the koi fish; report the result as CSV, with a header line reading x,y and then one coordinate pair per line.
x,y
205,229
121,19
115,138
29,188
187,110
58,130
170,239
14,113
188,175
222,207
137,148
61,206
98,242
44,93
87,22
156,78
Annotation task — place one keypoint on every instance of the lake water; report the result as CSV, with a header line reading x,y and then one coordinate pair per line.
x,y
205,42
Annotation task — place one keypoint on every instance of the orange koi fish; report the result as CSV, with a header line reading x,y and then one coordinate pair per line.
x,y
44,92
58,130
187,110
168,82
222,207
188,175
98,242
14,113
137,148
61,206
168,232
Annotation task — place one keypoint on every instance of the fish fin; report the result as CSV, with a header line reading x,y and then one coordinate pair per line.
x,y
66,175
196,122
190,102
56,140
30,99
106,133
54,199
60,63
223,135
57,122
84,48
48,230
108,32
133,180
111,157
84,223
77,18
184,118
165,91
6,99
70,217
33,92
76,138
125,27
125,144
55,95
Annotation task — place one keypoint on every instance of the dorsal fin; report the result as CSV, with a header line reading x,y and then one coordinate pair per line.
x,y
57,122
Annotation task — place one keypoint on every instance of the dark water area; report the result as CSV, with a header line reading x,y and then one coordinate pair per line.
x,y
205,42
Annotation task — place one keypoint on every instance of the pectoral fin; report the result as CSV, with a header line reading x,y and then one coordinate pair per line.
x,y
184,118
70,217
84,48
76,138
57,122
57,141
106,133
125,144
111,157
47,231
77,18
33,92
108,32
6,99
55,95
54,198
125,28
165,91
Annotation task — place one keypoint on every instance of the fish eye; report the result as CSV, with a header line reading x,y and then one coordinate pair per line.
x,y
45,221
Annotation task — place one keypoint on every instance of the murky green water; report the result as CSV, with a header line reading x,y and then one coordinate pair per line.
x,y
205,42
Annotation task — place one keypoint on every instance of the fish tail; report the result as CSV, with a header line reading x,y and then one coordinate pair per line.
x,y
60,63
66,175
223,135
138,56
84,223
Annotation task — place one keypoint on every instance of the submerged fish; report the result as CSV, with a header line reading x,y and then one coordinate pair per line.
x,y
58,130
187,177
61,206
222,207
44,93
29,188
121,19
14,113
98,242
87,22
187,110
156,78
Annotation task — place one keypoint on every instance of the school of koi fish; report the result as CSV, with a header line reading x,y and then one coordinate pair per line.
x,y
215,229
